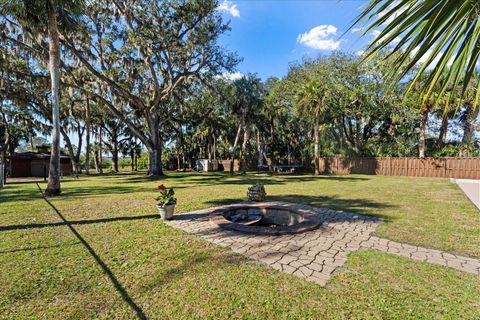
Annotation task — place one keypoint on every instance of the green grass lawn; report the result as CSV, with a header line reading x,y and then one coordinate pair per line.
x,y
114,259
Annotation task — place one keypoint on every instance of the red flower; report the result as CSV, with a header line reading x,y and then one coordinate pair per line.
x,y
161,187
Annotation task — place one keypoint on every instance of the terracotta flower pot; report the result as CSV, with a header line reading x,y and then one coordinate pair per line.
x,y
166,212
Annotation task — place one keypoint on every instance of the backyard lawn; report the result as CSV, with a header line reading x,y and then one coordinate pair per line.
x,y
100,251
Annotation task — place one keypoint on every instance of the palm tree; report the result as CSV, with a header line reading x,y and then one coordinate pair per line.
x,y
311,98
470,112
246,98
35,16
442,35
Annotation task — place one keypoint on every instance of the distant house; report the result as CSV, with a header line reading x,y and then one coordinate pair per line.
x,y
35,164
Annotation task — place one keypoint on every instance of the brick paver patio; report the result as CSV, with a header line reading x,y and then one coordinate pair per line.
x,y
315,255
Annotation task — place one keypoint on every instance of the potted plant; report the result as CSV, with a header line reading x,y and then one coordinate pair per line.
x,y
166,202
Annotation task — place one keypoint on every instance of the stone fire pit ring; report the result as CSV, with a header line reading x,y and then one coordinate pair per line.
x,y
265,219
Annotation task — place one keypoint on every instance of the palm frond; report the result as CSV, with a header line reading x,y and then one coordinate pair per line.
x,y
441,35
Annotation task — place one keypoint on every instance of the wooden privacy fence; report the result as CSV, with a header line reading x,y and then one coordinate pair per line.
x,y
466,168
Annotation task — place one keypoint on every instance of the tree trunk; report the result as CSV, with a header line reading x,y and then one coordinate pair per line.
x,y
136,162
246,138
95,161
423,131
181,151
2,167
80,132
3,146
87,138
316,146
442,137
30,138
178,159
259,150
214,147
156,169
470,116
155,150
132,159
53,186
100,151
234,149
115,154
70,152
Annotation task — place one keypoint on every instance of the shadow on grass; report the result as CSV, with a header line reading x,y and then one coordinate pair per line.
x,y
89,191
16,193
127,183
361,206
118,286
216,178
39,248
24,181
13,193
75,222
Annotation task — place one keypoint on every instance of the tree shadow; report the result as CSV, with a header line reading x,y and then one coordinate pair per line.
x,y
276,180
181,176
13,193
224,202
360,206
38,248
118,286
74,222
216,178
23,181
102,190
339,178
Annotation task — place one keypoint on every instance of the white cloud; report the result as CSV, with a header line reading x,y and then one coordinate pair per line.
x,y
355,30
231,76
320,38
360,53
229,7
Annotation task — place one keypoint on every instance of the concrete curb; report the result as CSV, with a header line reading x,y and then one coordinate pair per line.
x,y
471,188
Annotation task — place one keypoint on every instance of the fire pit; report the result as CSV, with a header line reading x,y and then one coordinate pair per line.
x,y
265,219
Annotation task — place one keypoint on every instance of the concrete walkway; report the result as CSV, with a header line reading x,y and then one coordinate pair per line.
x,y
471,188
315,255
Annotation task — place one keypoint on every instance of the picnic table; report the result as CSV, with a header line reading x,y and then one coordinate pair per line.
x,y
280,167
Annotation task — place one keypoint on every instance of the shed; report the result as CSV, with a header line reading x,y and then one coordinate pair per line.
x,y
35,164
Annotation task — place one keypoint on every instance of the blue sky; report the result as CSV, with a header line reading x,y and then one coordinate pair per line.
x,y
270,34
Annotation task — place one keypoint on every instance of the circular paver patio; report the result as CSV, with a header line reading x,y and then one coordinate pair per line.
x,y
316,254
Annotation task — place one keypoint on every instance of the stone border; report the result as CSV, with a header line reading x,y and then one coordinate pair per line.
x,y
309,223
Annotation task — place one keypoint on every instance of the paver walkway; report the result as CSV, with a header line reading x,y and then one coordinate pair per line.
x,y
315,255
